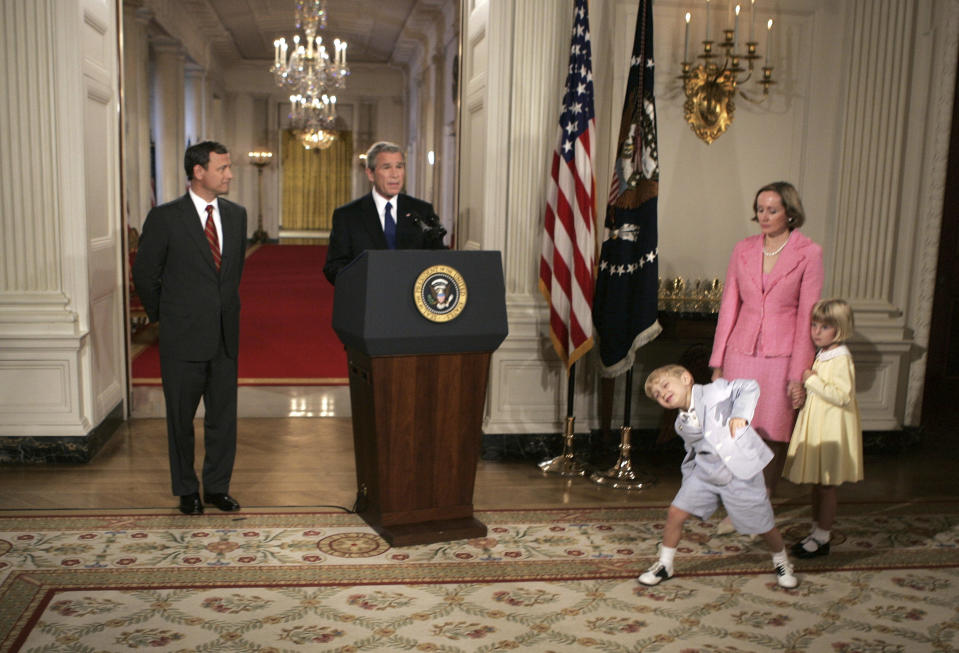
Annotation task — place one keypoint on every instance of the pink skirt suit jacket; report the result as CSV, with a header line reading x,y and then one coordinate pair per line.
x,y
763,327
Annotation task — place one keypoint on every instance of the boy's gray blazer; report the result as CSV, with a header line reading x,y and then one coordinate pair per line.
x,y
715,404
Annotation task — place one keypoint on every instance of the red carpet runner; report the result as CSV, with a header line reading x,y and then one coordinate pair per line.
x,y
286,337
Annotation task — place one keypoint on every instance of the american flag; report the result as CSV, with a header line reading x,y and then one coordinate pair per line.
x,y
626,307
566,266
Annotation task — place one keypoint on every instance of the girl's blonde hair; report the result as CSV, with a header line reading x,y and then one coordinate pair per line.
x,y
835,313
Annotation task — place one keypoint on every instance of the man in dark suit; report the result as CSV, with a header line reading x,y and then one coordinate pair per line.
x,y
384,218
187,274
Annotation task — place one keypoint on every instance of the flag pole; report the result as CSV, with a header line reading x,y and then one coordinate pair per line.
x,y
625,310
566,275
621,475
565,464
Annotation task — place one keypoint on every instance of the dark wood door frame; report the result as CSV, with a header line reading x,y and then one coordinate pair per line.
x,y
942,362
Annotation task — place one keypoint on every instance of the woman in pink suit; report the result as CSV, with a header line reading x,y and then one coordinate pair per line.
x,y
772,282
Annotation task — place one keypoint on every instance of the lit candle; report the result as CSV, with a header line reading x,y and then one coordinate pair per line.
x,y
769,39
276,52
752,20
736,27
707,20
686,39
344,53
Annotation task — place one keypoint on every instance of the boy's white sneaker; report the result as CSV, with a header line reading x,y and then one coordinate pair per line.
x,y
785,576
655,574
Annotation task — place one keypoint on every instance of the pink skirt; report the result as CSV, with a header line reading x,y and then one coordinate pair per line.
x,y
774,417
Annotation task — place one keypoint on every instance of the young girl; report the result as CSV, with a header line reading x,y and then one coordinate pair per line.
x,y
826,445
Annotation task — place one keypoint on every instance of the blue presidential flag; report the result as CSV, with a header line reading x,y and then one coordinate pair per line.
x,y
625,302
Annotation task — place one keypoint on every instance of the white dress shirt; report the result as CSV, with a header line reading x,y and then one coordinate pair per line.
x,y
689,416
380,202
201,205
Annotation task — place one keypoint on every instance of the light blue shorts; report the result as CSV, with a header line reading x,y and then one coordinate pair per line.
x,y
746,502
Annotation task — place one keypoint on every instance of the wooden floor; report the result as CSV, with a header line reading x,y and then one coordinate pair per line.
x,y
308,463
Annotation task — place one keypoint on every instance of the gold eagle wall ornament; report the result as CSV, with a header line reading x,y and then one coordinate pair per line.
x,y
709,103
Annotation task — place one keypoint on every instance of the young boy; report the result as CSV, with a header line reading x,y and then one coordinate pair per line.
x,y
724,461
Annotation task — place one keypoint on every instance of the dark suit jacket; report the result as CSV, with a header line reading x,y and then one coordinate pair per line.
x,y
356,228
179,285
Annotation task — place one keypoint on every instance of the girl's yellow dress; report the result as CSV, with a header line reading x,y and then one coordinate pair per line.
x,y
826,445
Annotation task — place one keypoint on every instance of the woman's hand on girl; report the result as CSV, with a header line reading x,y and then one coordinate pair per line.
x,y
797,394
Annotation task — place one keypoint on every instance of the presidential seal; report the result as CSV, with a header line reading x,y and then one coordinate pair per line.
x,y
439,293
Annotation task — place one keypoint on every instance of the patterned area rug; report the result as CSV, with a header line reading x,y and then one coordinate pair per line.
x,y
545,580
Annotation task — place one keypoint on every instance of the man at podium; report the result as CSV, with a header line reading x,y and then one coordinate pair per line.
x,y
383,219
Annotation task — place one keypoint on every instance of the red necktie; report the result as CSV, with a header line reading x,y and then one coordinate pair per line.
x,y
211,236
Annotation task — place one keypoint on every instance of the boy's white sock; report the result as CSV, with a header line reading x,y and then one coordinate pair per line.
x,y
780,557
666,556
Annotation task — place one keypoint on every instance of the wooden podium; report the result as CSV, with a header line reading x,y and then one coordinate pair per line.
x,y
419,328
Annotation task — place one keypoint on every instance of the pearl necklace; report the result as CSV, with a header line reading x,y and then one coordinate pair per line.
x,y
781,247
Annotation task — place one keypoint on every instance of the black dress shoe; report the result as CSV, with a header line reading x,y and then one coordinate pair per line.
x,y
190,504
224,502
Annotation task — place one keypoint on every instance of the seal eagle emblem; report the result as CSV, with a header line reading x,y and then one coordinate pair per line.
x,y
440,293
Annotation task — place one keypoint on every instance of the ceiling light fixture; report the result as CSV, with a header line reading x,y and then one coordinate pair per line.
x,y
311,71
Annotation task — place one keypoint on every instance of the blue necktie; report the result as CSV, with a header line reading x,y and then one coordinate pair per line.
x,y
389,227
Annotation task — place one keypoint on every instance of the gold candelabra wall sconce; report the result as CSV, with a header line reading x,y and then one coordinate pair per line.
x,y
711,86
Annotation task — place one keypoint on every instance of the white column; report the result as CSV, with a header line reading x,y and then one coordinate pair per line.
x,y
167,119
871,170
241,141
436,134
506,146
61,354
880,191
540,55
29,221
136,114
195,103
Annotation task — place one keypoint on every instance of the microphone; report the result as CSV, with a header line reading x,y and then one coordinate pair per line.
x,y
430,225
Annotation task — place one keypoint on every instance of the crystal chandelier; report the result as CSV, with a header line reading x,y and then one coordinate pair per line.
x,y
311,71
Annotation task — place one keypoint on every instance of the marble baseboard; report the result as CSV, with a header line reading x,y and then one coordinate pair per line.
x,y
60,449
